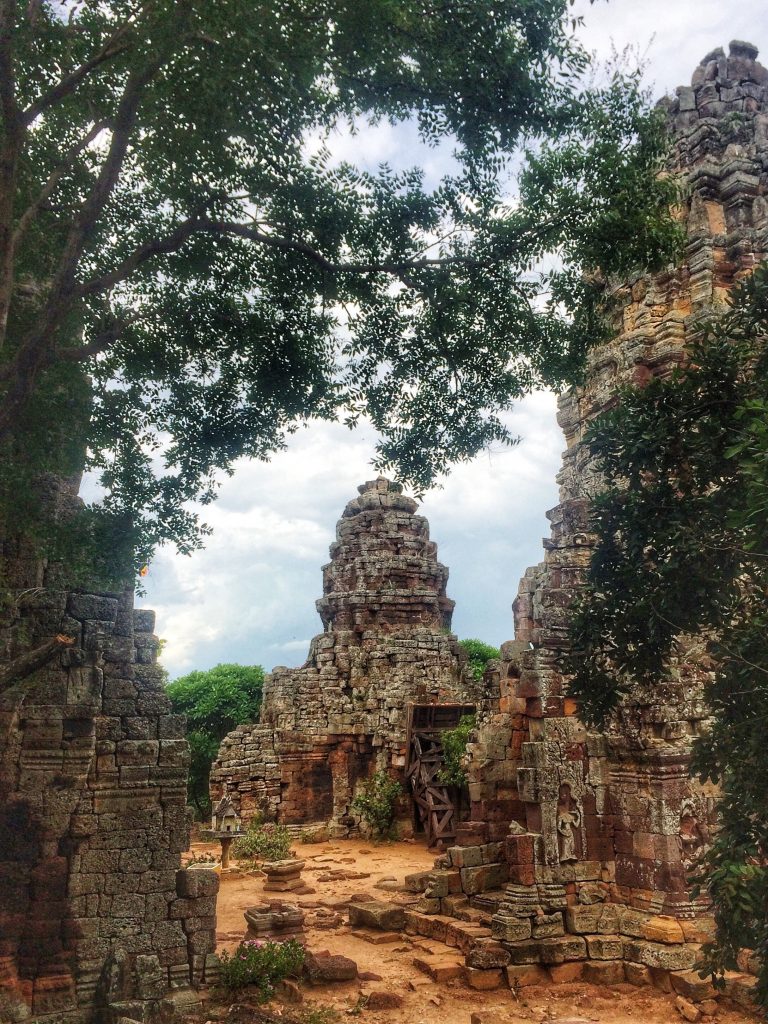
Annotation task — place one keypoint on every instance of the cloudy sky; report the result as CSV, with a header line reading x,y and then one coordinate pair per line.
x,y
249,596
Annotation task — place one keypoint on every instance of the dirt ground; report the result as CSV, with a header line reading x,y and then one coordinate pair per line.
x,y
339,869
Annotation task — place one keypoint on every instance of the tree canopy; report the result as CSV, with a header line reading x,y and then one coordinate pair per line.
x,y
187,275
683,550
214,701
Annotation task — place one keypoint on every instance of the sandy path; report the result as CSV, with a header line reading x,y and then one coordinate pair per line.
x,y
424,1001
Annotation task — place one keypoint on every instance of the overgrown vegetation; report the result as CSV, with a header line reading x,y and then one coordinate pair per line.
x,y
214,701
376,803
260,964
683,549
454,748
263,841
479,655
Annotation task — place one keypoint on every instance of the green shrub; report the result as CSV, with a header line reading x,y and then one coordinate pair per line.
x,y
376,803
479,655
263,841
454,748
262,964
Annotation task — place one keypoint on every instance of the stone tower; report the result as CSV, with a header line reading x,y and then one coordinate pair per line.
x,y
386,645
618,809
97,919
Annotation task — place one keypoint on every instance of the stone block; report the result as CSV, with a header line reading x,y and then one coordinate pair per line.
x,y
480,879
687,1010
632,923
658,955
547,926
689,985
483,980
487,953
439,968
525,975
663,929
91,606
442,883
417,882
605,947
465,856
510,929
604,972
374,914
324,967
559,950
383,999
584,920
526,951
194,883
566,974
637,974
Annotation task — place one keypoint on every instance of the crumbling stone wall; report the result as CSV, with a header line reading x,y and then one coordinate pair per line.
x,y
97,919
386,644
614,815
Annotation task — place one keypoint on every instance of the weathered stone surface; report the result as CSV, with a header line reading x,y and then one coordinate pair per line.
x,y
95,910
487,954
483,980
327,967
377,915
605,947
383,999
656,954
328,725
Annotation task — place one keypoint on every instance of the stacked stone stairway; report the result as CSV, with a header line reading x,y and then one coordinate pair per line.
x,y
465,920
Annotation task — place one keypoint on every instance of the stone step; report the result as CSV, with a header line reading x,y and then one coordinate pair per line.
x,y
439,968
377,938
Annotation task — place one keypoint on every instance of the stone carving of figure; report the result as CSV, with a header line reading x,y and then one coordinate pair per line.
x,y
568,821
693,836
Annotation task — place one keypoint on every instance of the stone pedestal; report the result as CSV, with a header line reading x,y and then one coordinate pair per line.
x,y
283,875
275,920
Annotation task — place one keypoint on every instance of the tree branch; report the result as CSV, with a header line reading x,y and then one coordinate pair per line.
x,y
13,133
114,46
30,662
35,351
53,179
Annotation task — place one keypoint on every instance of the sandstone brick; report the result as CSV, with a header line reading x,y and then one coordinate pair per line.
x,y
604,972
605,947
510,929
374,914
658,955
663,929
637,974
692,987
565,974
484,980
687,1010
525,975
558,951
486,954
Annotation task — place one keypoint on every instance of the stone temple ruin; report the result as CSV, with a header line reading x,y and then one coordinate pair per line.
x,y
386,647
578,843
96,914
570,858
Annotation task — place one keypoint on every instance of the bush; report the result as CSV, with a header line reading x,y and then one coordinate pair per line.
x,y
262,964
454,748
479,655
263,841
376,803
